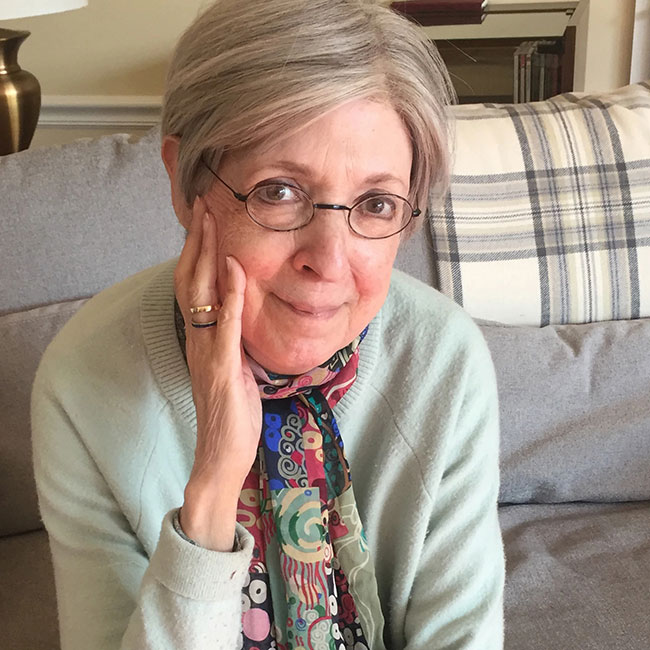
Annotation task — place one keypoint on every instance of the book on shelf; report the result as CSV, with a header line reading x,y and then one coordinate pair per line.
x,y
529,70
536,70
519,81
515,78
539,73
552,51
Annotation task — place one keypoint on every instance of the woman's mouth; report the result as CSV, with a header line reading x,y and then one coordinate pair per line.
x,y
309,310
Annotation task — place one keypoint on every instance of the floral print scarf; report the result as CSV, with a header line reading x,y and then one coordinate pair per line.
x,y
311,583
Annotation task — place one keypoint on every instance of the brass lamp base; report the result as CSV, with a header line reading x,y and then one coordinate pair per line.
x,y
20,96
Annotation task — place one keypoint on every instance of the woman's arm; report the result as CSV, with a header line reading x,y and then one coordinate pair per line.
x,y
457,598
187,596
110,595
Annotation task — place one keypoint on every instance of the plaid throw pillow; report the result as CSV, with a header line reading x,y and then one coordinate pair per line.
x,y
548,218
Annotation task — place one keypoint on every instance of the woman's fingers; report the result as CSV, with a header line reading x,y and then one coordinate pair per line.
x,y
223,386
196,286
184,271
203,291
230,314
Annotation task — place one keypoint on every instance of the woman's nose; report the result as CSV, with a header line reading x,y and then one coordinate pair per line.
x,y
323,245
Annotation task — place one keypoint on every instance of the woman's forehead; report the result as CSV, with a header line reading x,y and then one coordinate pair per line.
x,y
362,139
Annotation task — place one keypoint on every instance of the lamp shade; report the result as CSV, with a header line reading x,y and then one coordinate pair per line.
x,y
22,8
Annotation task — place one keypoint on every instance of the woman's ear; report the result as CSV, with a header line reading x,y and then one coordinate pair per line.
x,y
169,154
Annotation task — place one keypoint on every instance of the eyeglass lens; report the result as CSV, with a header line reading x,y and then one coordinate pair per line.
x,y
282,207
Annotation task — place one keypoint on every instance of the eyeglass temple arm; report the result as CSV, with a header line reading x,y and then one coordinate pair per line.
x,y
235,193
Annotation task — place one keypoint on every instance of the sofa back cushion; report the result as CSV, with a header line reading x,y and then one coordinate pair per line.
x,y
575,411
78,217
548,220
23,338
74,219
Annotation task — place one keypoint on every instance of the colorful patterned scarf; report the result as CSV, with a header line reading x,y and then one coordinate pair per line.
x,y
311,583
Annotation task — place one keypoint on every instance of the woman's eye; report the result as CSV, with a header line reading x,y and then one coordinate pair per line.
x,y
276,193
379,206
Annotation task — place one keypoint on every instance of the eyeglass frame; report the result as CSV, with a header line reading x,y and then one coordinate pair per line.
x,y
415,212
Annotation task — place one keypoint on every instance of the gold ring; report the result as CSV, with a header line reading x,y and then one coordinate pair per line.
x,y
204,309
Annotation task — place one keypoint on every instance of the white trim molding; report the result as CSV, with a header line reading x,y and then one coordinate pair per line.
x,y
103,111
530,6
641,43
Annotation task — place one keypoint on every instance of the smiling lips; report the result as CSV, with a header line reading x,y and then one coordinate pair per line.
x,y
311,311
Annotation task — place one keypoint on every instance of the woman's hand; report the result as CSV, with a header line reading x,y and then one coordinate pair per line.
x,y
228,406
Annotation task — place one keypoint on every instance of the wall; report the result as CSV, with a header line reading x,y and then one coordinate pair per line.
x,y
603,44
102,68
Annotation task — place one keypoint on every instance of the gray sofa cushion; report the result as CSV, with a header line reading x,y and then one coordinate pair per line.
x,y
28,618
415,256
577,576
23,339
77,218
575,411
74,219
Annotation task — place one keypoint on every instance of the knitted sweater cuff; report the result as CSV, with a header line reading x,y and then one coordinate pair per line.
x,y
198,573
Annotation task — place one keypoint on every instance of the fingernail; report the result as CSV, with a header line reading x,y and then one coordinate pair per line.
x,y
229,263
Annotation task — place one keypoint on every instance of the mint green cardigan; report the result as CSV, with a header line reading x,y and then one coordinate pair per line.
x,y
114,430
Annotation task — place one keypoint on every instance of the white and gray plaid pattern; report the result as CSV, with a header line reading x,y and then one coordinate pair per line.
x,y
548,218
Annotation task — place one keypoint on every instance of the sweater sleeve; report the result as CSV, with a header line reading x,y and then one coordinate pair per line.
x,y
457,597
110,595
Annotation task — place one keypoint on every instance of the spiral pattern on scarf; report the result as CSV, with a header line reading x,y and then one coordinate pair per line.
x,y
300,474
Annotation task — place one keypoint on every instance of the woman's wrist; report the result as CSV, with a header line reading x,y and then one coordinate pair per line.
x,y
209,518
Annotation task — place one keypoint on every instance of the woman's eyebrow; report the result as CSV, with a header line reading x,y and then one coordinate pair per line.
x,y
305,170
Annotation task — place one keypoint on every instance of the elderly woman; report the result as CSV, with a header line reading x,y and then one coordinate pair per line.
x,y
197,427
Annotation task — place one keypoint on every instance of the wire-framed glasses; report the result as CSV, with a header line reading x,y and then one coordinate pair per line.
x,y
282,207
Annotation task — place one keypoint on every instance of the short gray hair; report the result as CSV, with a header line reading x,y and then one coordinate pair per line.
x,y
249,72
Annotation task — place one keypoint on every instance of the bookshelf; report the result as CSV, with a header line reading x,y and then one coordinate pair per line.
x,y
593,36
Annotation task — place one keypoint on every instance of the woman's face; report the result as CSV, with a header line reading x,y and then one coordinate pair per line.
x,y
310,292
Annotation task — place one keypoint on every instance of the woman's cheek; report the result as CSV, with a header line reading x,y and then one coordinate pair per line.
x,y
255,257
260,274
373,271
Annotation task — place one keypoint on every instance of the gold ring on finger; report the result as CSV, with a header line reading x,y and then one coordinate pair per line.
x,y
204,309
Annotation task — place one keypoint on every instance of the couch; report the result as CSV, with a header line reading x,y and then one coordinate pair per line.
x,y
544,239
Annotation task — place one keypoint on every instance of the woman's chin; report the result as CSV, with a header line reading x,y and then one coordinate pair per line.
x,y
285,344
293,359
